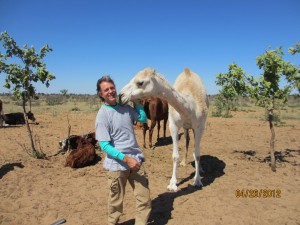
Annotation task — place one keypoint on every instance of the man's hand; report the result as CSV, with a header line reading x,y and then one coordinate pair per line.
x,y
132,163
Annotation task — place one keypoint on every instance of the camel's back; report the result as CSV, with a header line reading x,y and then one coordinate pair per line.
x,y
190,84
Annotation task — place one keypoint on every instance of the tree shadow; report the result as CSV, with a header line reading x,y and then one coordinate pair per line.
x,y
162,205
11,126
284,157
280,156
247,152
290,151
18,125
9,167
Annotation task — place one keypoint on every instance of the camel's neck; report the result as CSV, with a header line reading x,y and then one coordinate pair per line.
x,y
174,98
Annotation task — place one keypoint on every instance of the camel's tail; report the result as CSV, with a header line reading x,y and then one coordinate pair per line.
x,y
187,71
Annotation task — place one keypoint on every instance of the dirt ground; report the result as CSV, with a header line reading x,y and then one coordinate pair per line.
x,y
234,155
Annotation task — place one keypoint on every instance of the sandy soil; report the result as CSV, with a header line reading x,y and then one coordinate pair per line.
x,y
233,154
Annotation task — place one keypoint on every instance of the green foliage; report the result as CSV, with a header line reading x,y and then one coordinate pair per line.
x,y
233,83
20,77
291,72
223,106
266,89
276,118
295,50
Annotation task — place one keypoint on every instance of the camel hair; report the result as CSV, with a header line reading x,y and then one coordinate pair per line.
x,y
188,109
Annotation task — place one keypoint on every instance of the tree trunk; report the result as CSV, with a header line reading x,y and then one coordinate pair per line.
x,y
33,150
30,104
272,141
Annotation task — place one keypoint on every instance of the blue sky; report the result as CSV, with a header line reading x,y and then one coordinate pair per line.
x,y
121,37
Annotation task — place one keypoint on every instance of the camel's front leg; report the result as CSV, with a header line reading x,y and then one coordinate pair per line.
x,y
153,124
174,133
145,128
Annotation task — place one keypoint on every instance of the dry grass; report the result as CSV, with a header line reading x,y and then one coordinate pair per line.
x,y
90,103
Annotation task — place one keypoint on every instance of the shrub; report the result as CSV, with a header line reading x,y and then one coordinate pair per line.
x,y
54,99
75,109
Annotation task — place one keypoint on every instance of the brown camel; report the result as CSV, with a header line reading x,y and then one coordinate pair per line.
x,y
156,110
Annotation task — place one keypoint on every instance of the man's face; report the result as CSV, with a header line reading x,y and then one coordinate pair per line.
x,y
108,92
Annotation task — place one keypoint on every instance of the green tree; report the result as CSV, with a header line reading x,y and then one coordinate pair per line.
x,y
266,89
296,49
64,92
291,73
233,86
23,67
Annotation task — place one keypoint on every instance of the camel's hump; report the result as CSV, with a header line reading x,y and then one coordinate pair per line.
x,y
187,71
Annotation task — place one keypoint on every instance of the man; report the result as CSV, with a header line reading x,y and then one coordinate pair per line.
x,y
124,159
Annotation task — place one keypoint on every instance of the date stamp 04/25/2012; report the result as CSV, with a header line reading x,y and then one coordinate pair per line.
x,y
258,193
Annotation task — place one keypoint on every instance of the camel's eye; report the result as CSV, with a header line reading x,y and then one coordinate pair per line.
x,y
140,83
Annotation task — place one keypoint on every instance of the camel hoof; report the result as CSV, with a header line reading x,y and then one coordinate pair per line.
x,y
172,186
198,183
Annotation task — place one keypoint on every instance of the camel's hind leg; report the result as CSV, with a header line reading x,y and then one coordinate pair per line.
x,y
158,129
198,134
187,142
165,127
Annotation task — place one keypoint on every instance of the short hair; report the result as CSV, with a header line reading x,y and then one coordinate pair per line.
x,y
105,78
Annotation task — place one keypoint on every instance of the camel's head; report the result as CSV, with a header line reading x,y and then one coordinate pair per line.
x,y
140,86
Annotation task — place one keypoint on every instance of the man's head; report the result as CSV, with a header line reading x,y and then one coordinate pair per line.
x,y
106,90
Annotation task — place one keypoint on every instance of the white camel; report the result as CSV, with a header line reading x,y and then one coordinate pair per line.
x,y
188,109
